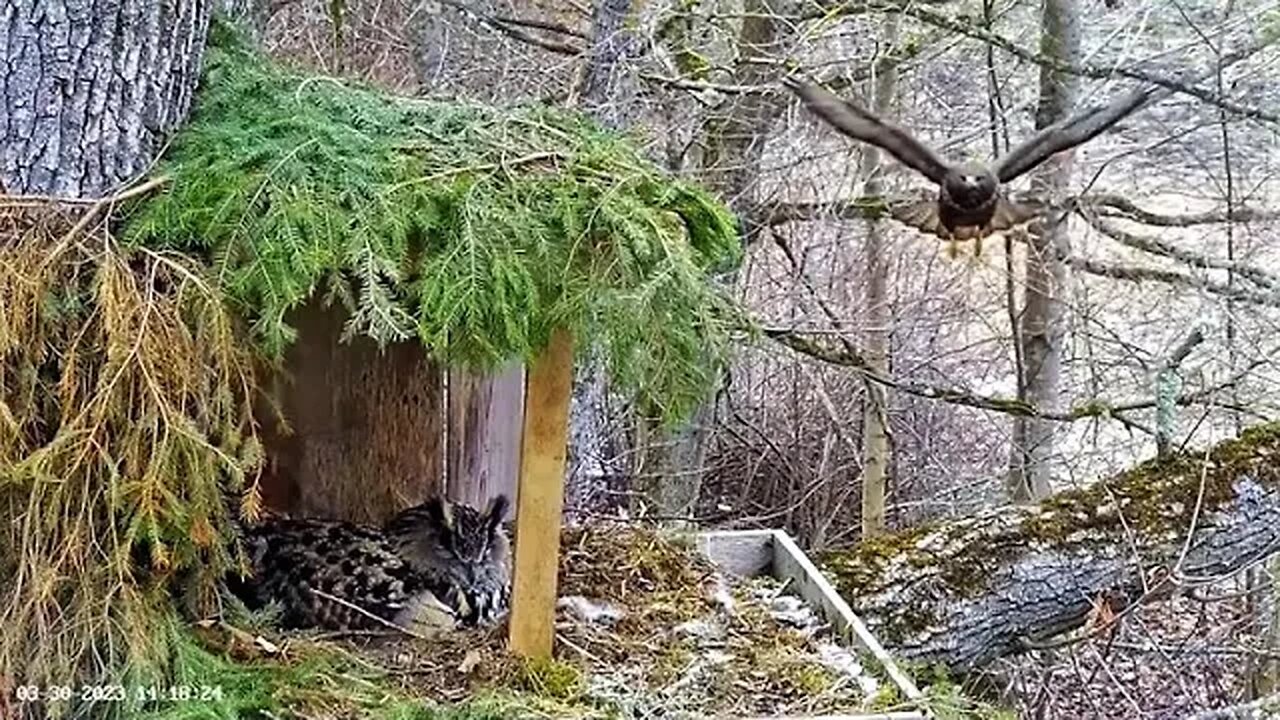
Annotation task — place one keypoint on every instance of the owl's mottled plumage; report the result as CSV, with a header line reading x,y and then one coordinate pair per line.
x,y
431,566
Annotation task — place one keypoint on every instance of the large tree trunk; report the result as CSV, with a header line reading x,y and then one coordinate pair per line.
x,y
250,16
608,93
91,90
875,424
609,90
965,592
732,147
1042,331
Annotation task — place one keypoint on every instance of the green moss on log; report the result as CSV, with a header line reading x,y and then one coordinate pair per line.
x,y
1155,501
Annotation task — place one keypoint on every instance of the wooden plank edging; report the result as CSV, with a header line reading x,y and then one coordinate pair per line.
x,y
755,552
814,587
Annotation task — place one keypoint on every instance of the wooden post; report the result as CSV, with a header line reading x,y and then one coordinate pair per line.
x,y
540,499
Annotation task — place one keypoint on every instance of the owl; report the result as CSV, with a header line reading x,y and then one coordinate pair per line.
x,y
431,568
461,549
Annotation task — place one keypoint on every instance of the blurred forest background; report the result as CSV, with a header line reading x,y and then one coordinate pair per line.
x,y
896,384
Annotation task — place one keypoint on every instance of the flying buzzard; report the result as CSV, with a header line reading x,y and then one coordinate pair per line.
x,y
971,202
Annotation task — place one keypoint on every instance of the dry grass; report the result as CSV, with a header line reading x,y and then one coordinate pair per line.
x,y
124,417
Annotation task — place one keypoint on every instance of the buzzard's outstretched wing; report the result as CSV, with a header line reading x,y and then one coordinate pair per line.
x,y
1011,213
1075,130
858,123
918,212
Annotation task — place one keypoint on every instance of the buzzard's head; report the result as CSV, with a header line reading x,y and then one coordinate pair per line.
x,y
970,186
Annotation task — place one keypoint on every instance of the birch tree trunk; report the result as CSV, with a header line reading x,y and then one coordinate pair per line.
x,y
91,90
1042,330
875,425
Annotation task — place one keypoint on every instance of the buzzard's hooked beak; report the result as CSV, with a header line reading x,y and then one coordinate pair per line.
x,y
972,180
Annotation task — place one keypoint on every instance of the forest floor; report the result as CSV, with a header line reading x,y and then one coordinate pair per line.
x,y
646,627
1165,661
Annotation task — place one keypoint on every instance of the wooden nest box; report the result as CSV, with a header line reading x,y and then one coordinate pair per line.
x,y
364,434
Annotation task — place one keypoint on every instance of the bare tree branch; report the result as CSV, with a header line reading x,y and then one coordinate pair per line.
x,y
862,206
849,357
1172,277
1126,208
511,28
965,27
1156,246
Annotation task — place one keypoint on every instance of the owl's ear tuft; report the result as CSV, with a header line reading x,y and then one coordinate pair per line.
x,y
497,512
440,511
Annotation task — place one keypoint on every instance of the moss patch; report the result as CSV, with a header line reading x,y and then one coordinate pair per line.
x,y
315,681
1154,500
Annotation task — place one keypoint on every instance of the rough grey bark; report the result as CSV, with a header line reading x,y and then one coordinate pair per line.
x,y
671,477
433,37
968,591
735,138
250,16
608,92
1042,324
91,90
875,425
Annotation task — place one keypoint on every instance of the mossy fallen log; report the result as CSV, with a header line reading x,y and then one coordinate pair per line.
x,y
965,592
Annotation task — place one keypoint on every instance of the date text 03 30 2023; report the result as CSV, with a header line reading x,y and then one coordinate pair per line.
x,y
117,693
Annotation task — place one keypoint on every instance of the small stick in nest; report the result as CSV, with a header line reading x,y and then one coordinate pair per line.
x,y
578,649
371,616
347,634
